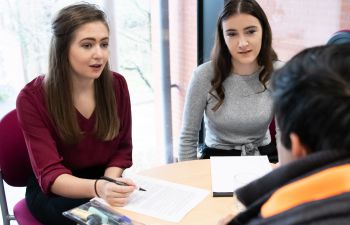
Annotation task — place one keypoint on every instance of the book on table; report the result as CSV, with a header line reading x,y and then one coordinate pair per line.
x,y
228,173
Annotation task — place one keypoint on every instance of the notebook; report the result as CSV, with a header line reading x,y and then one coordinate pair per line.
x,y
228,173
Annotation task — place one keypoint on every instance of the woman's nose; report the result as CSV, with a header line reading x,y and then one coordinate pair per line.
x,y
97,52
242,42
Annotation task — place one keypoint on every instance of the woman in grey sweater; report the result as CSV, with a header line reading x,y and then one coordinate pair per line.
x,y
232,91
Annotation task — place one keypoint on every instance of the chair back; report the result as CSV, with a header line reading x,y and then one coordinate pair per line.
x,y
14,160
15,169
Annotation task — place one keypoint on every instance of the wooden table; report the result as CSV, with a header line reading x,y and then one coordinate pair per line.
x,y
195,173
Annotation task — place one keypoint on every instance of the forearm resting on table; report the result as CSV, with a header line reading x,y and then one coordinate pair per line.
x,y
69,186
74,187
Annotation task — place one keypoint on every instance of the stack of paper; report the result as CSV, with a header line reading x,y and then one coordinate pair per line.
x,y
231,172
164,200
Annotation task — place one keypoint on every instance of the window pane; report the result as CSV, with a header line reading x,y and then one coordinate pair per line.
x,y
26,33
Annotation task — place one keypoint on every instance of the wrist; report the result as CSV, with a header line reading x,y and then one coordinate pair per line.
x,y
96,188
99,188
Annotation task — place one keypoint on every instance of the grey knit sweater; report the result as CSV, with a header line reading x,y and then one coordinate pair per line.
x,y
242,119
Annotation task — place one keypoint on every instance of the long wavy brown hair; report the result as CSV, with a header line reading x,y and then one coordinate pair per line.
x,y
221,57
58,86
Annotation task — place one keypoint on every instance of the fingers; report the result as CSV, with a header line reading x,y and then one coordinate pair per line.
x,y
118,191
225,220
119,202
115,198
118,195
126,180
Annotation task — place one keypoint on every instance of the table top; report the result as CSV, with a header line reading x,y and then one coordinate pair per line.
x,y
195,173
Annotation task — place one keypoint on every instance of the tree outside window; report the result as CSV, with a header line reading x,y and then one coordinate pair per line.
x,y
26,34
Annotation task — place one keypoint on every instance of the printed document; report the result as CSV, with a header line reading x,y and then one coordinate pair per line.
x,y
164,200
231,172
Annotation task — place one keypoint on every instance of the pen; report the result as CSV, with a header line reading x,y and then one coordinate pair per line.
x,y
118,182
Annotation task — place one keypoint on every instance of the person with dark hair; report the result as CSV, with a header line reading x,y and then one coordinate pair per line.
x,y
232,90
340,37
76,120
312,186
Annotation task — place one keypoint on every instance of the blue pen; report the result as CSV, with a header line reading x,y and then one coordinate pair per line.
x,y
114,218
125,219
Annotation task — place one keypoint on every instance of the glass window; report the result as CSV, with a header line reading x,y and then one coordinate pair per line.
x,y
26,34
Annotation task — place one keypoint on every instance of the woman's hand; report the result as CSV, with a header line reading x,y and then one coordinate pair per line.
x,y
225,220
114,194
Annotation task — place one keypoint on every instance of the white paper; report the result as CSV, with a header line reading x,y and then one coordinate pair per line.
x,y
231,172
164,200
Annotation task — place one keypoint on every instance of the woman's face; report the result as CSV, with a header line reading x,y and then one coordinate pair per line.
x,y
88,51
243,37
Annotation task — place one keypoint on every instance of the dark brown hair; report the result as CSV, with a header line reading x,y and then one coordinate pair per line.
x,y
58,86
221,57
311,94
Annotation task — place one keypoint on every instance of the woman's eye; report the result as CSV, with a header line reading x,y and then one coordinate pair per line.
x,y
104,45
251,31
87,45
231,34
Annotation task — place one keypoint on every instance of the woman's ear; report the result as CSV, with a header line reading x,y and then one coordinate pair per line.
x,y
298,149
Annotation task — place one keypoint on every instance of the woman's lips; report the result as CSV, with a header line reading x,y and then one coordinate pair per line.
x,y
244,52
96,65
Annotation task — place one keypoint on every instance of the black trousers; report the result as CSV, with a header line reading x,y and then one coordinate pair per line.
x,y
48,208
270,150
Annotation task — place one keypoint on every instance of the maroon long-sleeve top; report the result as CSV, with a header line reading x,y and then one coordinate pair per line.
x,y
50,157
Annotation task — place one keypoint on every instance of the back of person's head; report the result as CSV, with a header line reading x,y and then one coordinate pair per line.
x,y
339,37
312,98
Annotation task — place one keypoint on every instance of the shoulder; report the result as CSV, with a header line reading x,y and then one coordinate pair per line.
x,y
117,77
119,80
278,64
36,83
205,68
31,99
33,88
120,87
204,71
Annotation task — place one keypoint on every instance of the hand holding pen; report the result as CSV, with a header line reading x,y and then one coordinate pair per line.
x,y
116,192
119,182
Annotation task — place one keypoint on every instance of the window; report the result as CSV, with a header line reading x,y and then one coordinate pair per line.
x,y
25,39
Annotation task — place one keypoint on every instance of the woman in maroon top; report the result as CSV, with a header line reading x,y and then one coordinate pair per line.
x,y
76,120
